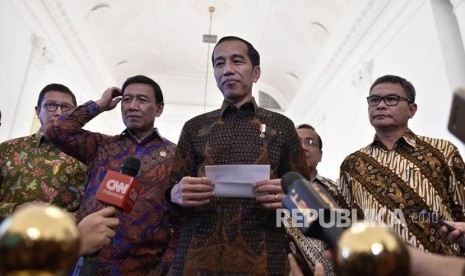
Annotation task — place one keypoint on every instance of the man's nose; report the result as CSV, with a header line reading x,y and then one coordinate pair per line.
x,y
133,104
59,111
228,67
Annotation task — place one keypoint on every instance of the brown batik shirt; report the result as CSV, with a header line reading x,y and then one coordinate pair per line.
x,y
393,186
234,236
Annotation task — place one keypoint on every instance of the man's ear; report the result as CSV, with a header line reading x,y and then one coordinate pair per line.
x,y
412,110
256,73
159,109
37,110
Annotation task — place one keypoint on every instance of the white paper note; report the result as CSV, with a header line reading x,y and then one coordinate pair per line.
x,y
236,180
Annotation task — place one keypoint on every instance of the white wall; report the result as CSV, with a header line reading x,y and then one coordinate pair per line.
x,y
38,49
404,40
414,39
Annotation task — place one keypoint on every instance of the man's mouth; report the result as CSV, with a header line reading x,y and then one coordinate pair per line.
x,y
229,82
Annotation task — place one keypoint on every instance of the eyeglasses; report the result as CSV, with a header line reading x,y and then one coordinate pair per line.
x,y
52,107
309,142
390,100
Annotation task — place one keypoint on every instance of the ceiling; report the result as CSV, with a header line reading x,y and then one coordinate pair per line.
x,y
163,39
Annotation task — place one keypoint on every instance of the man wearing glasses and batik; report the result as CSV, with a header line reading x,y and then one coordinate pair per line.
x,y
400,173
312,253
34,171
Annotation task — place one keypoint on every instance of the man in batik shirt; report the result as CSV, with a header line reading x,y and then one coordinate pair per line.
x,y
400,173
233,236
144,243
313,148
33,170
312,249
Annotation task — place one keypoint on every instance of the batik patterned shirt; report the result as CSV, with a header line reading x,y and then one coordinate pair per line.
x,y
145,238
394,186
33,169
331,187
234,236
309,251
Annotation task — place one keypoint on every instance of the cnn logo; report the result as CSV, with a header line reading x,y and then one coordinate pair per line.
x,y
119,187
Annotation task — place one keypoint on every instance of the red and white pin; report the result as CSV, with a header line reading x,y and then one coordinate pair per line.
x,y
262,130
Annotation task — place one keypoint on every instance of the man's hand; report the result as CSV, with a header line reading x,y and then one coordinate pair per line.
x,y
96,230
269,193
192,192
296,271
457,236
110,99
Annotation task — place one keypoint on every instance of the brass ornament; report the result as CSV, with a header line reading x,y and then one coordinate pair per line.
x,y
367,249
40,240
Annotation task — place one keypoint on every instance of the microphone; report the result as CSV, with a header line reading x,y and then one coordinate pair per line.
x,y
315,213
360,249
120,189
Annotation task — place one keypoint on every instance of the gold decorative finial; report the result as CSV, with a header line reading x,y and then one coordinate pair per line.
x,y
41,240
211,9
366,249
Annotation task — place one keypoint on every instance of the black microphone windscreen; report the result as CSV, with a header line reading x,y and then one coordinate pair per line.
x,y
130,166
288,179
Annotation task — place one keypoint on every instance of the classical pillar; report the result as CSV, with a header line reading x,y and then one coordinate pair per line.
x,y
450,39
459,10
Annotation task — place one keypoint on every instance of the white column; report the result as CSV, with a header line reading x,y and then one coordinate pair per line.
x,y
450,40
459,10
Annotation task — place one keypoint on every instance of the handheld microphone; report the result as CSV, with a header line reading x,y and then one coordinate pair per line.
x,y
318,214
121,189
362,249
118,189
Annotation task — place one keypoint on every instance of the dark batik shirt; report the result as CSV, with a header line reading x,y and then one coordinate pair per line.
x,y
331,187
393,186
311,249
144,243
33,169
234,236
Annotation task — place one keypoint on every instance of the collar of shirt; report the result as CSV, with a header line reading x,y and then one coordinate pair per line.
x,y
322,180
155,135
41,141
317,178
228,107
408,140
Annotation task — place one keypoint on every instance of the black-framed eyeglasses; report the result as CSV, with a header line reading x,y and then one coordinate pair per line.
x,y
390,100
52,107
309,142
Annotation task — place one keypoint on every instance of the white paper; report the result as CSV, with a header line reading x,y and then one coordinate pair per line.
x,y
236,180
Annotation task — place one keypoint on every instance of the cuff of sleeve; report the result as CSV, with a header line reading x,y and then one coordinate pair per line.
x,y
92,108
175,208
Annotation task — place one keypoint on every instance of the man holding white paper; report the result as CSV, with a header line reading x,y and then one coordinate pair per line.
x,y
234,234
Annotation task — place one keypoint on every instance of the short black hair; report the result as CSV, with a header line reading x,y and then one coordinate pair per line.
x,y
406,85
55,87
307,126
145,80
251,51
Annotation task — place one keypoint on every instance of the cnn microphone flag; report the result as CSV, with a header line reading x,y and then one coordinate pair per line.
x,y
119,190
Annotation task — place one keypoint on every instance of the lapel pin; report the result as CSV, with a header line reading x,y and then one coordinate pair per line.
x,y
262,130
